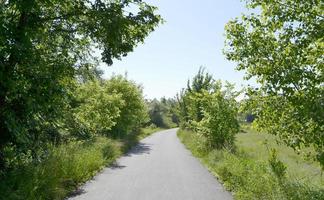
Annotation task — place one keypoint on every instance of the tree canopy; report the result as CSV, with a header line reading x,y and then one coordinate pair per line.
x,y
43,44
209,108
282,47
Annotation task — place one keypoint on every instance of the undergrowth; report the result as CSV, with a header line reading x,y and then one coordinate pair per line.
x,y
250,178
66,167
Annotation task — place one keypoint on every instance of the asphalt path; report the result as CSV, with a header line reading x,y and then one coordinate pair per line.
x,y
158,168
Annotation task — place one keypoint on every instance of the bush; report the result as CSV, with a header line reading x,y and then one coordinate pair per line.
x,y
210,109
97,110
113,107
277,167
156,112
219,124
133,112
162,113
248,178
61,172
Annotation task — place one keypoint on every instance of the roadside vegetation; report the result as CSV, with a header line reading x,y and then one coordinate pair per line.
x,y
94,137
254,171
269,145
223,133
66,167
163,113
60,121
281,47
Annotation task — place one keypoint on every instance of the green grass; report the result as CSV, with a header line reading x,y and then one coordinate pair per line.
x,y
66,168
246,171
148,131
256,146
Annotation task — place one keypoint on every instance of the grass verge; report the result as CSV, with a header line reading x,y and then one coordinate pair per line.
x,y
148,131
246,172
66,168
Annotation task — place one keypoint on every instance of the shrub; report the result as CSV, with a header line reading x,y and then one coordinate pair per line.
x,y
113,107
156,112
61,172
277,167
133,112
163,112
248,178
219,124
97,110
210,109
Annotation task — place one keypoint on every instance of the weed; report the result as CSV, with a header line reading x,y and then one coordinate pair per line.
x,y
251,176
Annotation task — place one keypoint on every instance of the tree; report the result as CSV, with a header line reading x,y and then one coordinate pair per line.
x,y
210,109
202,81
183,108
282,47
156,112
134,112
113,107
42,44
97,111
190,107
219,124
163,113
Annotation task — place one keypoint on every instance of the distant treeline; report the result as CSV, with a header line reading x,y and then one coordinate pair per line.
x,y
163,113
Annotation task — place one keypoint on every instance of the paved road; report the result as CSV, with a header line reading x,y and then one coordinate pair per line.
x,y
159,168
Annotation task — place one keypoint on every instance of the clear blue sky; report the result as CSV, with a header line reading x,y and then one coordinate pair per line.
x,y
192,36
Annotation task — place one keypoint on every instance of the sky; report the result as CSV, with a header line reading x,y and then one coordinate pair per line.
x,y
191,36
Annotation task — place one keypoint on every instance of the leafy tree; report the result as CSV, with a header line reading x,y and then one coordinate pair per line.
x,y
282,47
173,111
202,81
210,109
156,113
42,44
134,112
98,110
113,107
219,124
183,102
190,105
163,113
88,72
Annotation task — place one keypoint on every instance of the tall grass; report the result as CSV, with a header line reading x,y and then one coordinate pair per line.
x,y
251,177
67,167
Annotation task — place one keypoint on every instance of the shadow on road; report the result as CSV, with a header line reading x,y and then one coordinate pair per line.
x,y
116,166
140,148
75,193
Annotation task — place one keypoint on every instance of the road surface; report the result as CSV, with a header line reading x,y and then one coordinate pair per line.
x,y
158,168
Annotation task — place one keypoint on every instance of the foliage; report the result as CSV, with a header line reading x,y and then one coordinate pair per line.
x,y
66,168
210,109
219,123
201,82
97,110
163,113
282,48
113,107
133,113
61,172
42,46
277,166
189,99
249,177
